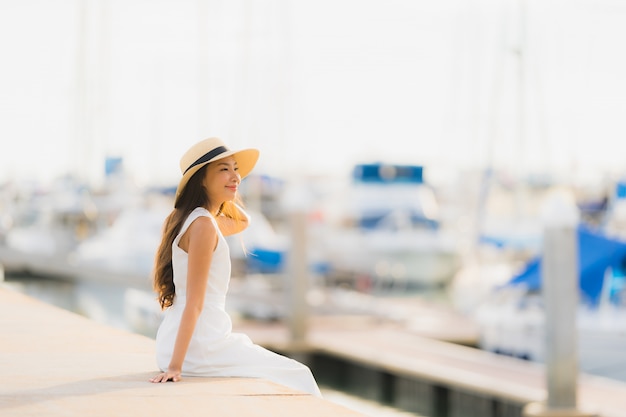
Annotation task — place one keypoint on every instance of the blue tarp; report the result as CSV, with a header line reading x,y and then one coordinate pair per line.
x,y
388,173
597,252
265,261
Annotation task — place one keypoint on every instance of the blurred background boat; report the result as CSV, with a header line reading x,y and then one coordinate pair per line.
x,y
42,226
384,230
46,227
511,316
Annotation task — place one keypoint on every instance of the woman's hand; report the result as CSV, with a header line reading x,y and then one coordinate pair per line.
x,y
168,375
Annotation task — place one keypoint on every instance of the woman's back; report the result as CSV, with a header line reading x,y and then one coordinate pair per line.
x,y
219,273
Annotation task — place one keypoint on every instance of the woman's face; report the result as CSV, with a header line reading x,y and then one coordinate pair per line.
x,y
221,180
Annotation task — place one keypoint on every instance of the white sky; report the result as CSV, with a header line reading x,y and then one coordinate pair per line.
x,y
316,85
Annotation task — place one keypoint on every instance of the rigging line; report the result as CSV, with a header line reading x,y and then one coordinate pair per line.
x,y
522,61
204,90
521,169
540,100
585,71
495,100
240,122
450,116
286,78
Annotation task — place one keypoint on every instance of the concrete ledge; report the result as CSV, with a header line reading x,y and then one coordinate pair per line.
x,y
56,363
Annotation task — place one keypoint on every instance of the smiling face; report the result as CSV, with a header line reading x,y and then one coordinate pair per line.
x,y
221,181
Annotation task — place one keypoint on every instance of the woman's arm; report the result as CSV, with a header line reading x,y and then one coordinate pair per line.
x,y
202,239
233,219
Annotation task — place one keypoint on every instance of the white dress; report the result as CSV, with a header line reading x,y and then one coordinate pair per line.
x,y
214,350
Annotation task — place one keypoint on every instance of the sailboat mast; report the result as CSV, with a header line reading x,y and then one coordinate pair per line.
x,y
520,137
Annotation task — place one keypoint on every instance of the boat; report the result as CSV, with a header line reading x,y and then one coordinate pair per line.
x,y
613,221
46,225
386,232
123,253
512,320
49,222
505,235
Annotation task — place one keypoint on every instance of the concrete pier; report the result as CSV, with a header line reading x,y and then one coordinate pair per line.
x,y
56,363
388,364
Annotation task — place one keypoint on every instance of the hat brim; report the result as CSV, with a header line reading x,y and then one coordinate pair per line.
x,y
246,160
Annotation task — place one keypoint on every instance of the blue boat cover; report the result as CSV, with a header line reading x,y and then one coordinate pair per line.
x,y
388,173
597,252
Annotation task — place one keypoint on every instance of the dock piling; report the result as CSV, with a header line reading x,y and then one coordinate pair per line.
x,y
297,203
298,279
559,269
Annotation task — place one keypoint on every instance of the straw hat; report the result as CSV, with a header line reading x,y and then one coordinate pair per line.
x,y
210,150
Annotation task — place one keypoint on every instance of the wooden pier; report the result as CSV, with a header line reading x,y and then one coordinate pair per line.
x,y
386,363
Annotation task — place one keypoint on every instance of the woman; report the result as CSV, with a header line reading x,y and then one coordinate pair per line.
x,y
192,272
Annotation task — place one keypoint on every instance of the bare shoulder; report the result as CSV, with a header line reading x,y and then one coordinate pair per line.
x,y
203,225
201,231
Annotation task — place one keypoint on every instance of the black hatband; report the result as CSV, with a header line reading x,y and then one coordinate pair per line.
x,y
207,157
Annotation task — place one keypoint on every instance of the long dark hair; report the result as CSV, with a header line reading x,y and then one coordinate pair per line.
x,y
193,195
